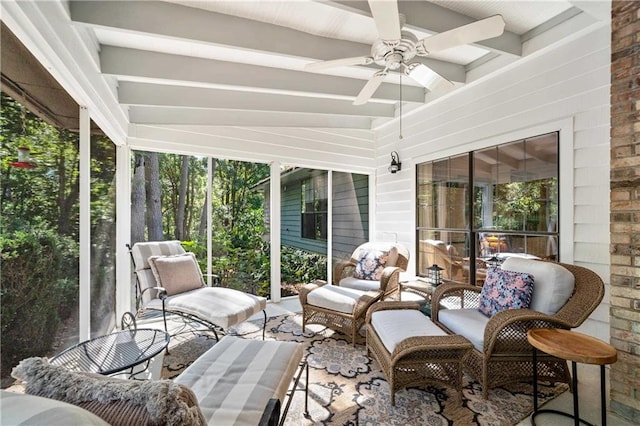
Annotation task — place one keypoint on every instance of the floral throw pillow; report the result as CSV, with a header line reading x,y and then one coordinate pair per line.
x,y
371,264
505,290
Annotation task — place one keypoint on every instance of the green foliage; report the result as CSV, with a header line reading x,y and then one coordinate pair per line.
x,y
33,292
299,266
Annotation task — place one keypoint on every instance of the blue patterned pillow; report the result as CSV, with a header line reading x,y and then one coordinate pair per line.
x,y
371,264
505,290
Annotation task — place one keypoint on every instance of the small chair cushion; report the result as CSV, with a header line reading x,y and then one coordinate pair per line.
x,y
371,264
335,298
505,290
553,285
393,326
358,284
469,323
177,273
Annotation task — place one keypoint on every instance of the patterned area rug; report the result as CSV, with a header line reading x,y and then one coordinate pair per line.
x,y
348,388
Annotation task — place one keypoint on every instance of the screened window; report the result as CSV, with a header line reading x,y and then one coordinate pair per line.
x,y
314,208
487,205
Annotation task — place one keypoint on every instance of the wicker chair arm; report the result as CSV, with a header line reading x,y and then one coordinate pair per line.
x,y
509,328
390,279
386,306
341,270
416,344
304,291
364,302
461,291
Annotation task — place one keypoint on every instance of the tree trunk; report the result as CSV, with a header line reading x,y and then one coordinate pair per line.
x,y
138,200
154,205
202,229
182,197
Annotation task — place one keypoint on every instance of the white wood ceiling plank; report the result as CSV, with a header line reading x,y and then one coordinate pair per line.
x,y
124,62
168,115
142,94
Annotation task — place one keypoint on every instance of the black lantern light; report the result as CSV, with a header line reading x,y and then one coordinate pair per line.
x,y
493,262
396,165
434,275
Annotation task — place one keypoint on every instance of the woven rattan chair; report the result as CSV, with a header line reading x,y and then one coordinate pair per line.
x,y
344,272
506,356
343,305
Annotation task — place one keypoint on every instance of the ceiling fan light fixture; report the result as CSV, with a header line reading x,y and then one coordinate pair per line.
x,y
422,74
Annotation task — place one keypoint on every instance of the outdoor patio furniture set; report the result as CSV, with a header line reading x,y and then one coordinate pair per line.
x,y
481,330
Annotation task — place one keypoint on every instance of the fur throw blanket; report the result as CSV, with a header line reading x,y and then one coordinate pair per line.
x,y
165,402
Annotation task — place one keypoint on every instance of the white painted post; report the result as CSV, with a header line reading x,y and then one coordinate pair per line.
x,y
84,331
123,231
274,215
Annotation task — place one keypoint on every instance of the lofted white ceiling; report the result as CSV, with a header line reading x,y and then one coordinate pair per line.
x,y
241,62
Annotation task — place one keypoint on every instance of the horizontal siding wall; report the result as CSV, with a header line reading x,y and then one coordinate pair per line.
x,y
567,84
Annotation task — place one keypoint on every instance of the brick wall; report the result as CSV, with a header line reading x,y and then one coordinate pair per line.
x,y
625,207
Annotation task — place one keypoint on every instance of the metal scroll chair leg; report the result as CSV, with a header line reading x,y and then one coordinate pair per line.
x,y
264,327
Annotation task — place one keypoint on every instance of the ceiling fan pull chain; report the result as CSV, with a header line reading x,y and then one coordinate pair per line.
x,y
400,106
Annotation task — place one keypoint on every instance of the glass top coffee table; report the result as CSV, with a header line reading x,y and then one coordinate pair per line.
x,y
115,352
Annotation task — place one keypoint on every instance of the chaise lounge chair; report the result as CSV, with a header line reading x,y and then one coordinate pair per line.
x,y
169,280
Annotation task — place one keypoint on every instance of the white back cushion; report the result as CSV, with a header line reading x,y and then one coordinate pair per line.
x,y
552,284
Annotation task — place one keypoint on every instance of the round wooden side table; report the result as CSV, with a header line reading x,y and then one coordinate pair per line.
x,y
575,347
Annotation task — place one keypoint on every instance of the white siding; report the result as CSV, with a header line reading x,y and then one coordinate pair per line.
x,y
566,87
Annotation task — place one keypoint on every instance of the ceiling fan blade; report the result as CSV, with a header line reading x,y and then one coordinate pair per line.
x,y
425,75
369,89
322,65
385,15
490,27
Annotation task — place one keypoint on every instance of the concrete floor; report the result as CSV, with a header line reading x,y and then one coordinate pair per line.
x,y
588,386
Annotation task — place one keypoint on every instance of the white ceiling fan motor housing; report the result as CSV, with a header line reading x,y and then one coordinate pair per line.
x,y
392,53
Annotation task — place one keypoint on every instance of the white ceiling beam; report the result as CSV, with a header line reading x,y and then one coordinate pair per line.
x,y
209,117
141,94
200,26
123,62
435,19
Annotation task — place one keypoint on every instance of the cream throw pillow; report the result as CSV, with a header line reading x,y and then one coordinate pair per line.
x,y
177,273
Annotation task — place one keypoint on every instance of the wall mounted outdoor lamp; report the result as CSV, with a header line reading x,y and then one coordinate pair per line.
x,y
396,165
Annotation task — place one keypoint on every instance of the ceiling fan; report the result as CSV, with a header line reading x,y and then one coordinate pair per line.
x,y
395,48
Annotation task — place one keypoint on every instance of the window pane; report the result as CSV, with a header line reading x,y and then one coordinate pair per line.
x,y
449,250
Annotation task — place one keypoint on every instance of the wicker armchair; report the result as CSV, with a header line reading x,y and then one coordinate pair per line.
x,y
506,355
343,272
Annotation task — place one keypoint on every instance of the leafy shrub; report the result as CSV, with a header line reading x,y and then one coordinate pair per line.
x,y
33,293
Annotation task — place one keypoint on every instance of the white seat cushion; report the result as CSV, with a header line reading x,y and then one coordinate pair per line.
x,y
223,307
335,298
394,326
469,323
357,284
552,284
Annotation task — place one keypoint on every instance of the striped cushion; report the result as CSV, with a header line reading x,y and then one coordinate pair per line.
x,y
223,307
142,251
22,409
236,378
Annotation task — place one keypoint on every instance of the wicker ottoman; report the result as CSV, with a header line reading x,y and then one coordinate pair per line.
x,y
413,351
